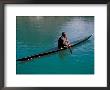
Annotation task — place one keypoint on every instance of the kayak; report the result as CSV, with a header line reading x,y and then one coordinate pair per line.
x,y
53,51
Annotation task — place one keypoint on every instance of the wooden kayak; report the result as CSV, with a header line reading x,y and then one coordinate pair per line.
x,y
52,51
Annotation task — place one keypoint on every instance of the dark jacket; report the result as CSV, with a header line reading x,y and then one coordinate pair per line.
x,y
62,41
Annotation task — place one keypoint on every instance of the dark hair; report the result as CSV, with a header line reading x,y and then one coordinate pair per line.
x,y
63,33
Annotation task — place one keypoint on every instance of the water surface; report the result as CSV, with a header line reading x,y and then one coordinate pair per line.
x,y
36,34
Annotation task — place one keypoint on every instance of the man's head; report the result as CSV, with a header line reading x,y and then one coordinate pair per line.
x,y
63,34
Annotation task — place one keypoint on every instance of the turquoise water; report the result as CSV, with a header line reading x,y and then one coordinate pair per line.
x,y
36,34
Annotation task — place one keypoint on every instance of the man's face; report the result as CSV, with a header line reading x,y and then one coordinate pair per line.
x,y
64,34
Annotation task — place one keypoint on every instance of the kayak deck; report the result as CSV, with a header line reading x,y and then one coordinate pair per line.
x,y
52,51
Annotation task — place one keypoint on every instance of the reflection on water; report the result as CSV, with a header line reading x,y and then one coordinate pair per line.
x,y
37,34
63,54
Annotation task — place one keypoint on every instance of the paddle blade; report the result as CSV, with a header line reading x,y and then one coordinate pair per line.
x,y
70,50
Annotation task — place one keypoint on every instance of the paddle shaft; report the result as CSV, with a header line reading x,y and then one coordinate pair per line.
x,y
69,47
70,50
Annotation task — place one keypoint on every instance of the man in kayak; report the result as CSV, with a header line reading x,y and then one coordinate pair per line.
x,y
63,42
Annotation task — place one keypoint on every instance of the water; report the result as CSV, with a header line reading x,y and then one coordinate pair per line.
x,y
36,34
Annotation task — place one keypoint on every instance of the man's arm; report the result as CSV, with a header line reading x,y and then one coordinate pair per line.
x,y
66,42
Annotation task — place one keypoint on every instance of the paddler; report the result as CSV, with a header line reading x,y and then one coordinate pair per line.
x,y
63,41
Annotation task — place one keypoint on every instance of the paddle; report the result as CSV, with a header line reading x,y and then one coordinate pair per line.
x,y
69,47
70,50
